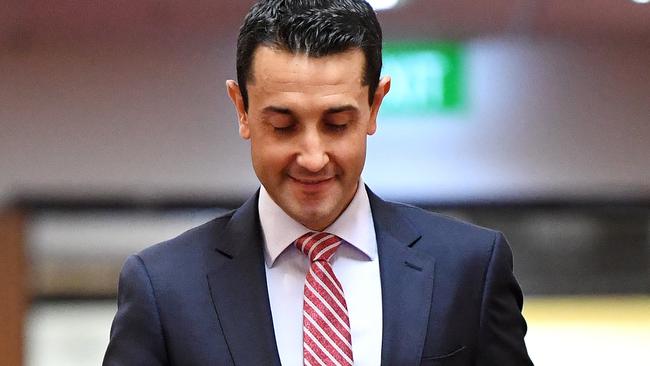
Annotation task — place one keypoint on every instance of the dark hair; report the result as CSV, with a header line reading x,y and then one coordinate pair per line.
x,y
313,27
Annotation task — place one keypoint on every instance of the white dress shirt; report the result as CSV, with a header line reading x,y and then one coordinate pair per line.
x,y
355,264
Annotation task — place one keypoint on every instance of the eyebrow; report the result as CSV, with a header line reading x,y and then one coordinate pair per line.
x,y
274,109
343,108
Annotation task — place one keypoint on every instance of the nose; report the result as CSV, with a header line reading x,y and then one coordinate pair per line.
x,y
313,155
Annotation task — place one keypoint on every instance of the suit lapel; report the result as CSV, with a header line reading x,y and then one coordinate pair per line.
x,y
237,281
406,284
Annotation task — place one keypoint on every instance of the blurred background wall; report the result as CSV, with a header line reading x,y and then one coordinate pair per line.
x,y
116,132
545,118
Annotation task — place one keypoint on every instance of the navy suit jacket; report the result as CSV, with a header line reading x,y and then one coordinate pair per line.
x,y
449,295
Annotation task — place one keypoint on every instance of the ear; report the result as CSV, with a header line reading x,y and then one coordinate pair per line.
x,y
238,101
382,89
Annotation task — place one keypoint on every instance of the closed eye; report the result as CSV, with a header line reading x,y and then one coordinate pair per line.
x,y
280,119
337,127
340,120
285,129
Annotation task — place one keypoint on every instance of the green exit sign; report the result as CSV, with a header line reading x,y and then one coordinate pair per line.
x,y
427,78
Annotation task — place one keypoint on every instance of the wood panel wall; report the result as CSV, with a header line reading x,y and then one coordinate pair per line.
x,y
13,287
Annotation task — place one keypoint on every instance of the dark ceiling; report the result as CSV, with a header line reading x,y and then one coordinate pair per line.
x,y
78,21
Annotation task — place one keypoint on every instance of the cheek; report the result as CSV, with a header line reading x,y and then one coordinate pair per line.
x,y
269,159
352,153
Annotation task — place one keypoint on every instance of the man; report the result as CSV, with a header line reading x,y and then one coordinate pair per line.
x,y
378,283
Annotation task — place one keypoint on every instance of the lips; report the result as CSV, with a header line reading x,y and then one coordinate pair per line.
x,y
311,181
313,185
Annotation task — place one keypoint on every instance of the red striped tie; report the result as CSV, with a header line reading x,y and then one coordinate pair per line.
x,y
325,324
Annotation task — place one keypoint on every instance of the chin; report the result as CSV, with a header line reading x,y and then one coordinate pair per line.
x,y
311,215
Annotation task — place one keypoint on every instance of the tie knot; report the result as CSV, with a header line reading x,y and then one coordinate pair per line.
x,y
318,246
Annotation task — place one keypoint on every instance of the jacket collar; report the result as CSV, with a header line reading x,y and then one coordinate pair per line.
x,y
237,282
406,283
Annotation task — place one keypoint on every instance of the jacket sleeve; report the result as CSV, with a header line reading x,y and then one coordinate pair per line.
x,y
136,334
502,327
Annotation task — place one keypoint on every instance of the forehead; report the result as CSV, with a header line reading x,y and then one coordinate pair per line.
x,y
276,70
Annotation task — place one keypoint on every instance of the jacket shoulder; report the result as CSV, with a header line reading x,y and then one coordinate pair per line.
x,y
188,246
430,221
446,230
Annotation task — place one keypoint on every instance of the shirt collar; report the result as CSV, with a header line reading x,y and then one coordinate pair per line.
x,y
354,225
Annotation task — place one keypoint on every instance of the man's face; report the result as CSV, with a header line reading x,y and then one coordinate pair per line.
x,y
307,123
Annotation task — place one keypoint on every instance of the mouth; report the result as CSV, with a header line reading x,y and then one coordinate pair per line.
x,y
311,180
312,184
